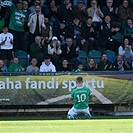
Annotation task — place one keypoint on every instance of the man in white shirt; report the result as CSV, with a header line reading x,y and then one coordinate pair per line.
x,y
6,45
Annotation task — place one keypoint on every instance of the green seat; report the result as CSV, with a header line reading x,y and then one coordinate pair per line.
x,y
23,58
111,55
95,54
83,57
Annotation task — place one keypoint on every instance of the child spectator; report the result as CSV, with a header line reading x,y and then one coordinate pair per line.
x,y
80,67
47,65
3,68
64,66
6,45
32,68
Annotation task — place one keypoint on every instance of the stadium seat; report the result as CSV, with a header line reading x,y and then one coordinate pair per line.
x,y
22,56
83,57
118,37
111,55
95,54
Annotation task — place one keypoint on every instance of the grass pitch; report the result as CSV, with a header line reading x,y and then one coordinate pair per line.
x,y
67,126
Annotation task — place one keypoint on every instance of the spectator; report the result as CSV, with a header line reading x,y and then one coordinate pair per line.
x,y
125,46
110,10
128,56
80,10
15,66
53,12
75,2
32,9
26,34
47,65
70,52
121,65
80,67
89,41
114,41
105,32
64,66
54,50
124,11
35,24
95,12
46,33
61,32
3,68
16,25
38,50
91,65
104,64
2,22
128,29
74,30
5,14
6,45
32,68
66,11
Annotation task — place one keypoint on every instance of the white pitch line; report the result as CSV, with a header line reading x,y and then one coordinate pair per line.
x,y
101,97
52,100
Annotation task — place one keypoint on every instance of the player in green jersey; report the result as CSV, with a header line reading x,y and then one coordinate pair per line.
x,y
80,95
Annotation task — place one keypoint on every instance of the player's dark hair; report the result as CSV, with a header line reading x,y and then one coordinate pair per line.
x,y
79,80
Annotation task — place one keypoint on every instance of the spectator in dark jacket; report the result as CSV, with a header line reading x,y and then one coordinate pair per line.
x,y
38,50
89,36
70,52
104,64
121,65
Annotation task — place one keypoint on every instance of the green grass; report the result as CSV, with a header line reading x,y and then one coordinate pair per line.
x,y
67,126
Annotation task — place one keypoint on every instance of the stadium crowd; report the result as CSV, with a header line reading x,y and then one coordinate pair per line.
x,y
52,32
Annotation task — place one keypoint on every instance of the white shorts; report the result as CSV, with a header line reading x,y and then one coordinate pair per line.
x,y
74,111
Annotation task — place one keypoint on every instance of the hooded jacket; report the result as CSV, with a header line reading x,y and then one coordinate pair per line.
x,y
49,68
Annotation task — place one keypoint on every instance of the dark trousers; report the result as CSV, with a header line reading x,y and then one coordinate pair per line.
x,y
19,42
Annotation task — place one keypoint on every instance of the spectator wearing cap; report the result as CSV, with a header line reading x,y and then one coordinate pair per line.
x,y
35,24
61,32
16,25
66,11
47,65
80,10
38,50
54,50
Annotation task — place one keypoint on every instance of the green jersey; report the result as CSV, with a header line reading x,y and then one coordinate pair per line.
x,y
17,16
81,97
16,19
